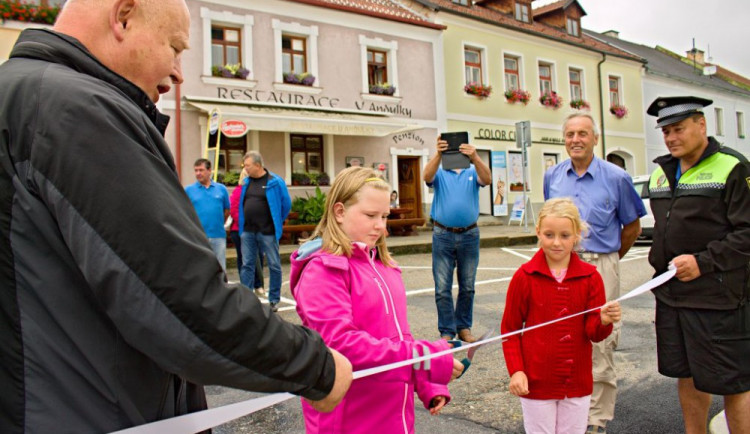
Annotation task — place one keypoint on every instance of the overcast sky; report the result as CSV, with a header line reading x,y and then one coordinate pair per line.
x,y
719,26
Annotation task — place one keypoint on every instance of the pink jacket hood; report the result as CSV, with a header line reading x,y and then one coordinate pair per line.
x,y
358,305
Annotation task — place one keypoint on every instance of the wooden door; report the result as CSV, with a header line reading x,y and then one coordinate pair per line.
x,y
410,186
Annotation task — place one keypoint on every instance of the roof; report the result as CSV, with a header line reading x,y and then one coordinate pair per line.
x,y
667,64
393,10
491,16
562,4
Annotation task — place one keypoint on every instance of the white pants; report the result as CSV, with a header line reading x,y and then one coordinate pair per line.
x,y
555,416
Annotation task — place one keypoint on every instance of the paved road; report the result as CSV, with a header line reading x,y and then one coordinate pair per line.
x,y
481,401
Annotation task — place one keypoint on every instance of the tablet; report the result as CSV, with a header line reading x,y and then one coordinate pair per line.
x,y
452,158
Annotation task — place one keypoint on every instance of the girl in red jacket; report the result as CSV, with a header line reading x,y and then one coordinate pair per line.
x,y
550,367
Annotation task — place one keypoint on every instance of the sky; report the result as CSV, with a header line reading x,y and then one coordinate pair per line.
x,y
721,27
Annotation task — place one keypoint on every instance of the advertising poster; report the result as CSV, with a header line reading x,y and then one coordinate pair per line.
x,y
499,184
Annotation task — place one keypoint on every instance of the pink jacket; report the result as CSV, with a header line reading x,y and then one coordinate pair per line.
x,y
234,208
358,305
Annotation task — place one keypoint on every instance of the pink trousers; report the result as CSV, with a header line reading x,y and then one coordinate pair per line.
x,y
556,416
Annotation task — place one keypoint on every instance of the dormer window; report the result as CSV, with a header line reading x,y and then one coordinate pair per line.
x,y
522,12
461,2
572,26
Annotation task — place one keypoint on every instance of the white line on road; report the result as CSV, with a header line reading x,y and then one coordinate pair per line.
x,y
514,252
481,282
429,267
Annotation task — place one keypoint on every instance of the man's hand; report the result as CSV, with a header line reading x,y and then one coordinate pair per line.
x,y
468,150
340,385
441,146
519,384
687,268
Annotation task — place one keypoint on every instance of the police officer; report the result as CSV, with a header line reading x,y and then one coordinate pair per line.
x,y
700,197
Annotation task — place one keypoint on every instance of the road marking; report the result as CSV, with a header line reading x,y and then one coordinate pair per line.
x,y
429,267
515,252
432,289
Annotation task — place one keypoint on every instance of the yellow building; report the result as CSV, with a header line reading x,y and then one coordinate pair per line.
x,y
527,54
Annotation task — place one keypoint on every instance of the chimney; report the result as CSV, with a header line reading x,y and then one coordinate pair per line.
x,y
612,34
695,55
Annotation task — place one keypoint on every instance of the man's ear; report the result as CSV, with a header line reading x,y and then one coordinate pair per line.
x,y
120,15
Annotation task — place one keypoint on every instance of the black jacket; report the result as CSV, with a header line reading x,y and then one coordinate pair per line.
x,y
707,216
109,291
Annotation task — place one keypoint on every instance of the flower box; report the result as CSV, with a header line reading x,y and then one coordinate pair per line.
x,y
28,12
620,111
383,89
551,99
230,71
517,95
479,90
580,104
305,79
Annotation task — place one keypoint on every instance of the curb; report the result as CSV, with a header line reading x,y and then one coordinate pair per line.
x,y
426,247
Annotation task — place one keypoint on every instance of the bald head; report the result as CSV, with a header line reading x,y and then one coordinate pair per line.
x,y
142,40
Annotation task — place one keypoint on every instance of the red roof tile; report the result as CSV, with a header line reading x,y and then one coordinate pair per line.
x,y
537,28
386,9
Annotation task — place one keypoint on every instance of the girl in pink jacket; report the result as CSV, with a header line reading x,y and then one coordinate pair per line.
x,y
349,289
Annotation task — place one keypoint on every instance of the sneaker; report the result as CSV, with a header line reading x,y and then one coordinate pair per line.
x,y
260,292
595,429
274,307
466,336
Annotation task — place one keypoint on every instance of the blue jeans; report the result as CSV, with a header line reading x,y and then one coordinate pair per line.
x,y
449,251
219,246
258,264
253,244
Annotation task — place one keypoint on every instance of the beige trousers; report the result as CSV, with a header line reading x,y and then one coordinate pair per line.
x,y
603,398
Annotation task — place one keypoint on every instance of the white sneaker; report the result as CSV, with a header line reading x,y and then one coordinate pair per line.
x,y
260,292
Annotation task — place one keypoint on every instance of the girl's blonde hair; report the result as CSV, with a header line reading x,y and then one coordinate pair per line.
x,y
346,189
563,207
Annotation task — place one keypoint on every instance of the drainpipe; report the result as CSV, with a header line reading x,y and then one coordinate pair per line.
x,y
178,134
601,106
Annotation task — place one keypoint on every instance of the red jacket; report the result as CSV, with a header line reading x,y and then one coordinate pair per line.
x,y
555,358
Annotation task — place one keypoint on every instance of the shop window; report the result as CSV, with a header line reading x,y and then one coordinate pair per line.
x,y
226,46
307,153
473,65
576,86
511,65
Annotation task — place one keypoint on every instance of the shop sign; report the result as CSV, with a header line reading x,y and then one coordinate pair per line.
x,y
233,128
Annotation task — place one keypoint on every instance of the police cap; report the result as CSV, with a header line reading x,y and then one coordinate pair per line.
x,y
672,109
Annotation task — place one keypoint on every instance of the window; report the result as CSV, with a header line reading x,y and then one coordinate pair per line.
x,y
719,113
741,125
379,63
545,78
461,2
576,90
522,12
377,67
614,91
572,26
307,153
293,54
226,46
473,65
511,73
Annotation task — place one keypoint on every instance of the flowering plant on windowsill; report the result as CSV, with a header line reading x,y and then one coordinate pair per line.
x,y
478,89
517,95
305,79
230,71
383,89
620,111
580,104
29,12
551,99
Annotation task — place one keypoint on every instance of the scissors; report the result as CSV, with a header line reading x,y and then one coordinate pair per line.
x,y
470,354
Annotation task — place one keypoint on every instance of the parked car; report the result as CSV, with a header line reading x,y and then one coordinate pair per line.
x,y
647,222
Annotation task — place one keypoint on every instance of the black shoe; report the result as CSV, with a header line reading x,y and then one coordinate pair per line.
x,y
274,307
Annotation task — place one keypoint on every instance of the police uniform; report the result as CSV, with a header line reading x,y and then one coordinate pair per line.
x,y
703,325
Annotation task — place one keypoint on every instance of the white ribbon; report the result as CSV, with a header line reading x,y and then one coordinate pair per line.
x,y
203,420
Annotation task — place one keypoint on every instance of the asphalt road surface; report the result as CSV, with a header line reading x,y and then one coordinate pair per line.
x,y
481,403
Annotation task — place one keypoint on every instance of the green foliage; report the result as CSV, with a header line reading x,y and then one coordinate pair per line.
x,y
231,178
309,209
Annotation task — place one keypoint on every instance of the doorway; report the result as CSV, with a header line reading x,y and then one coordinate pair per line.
x,y
409,185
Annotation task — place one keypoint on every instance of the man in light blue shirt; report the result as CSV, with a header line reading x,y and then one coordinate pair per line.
x,y
211,203
455,237
611,208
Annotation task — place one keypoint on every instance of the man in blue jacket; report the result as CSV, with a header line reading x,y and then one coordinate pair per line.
x,y
264,205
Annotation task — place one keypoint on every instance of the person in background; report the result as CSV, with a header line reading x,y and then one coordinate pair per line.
x,y
264,205
349,289
455,237
108,323
211,202
234,233
394,199
700,198
611,208
550,368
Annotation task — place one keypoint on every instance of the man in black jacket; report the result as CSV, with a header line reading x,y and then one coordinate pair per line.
x,y
700,197
111,299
